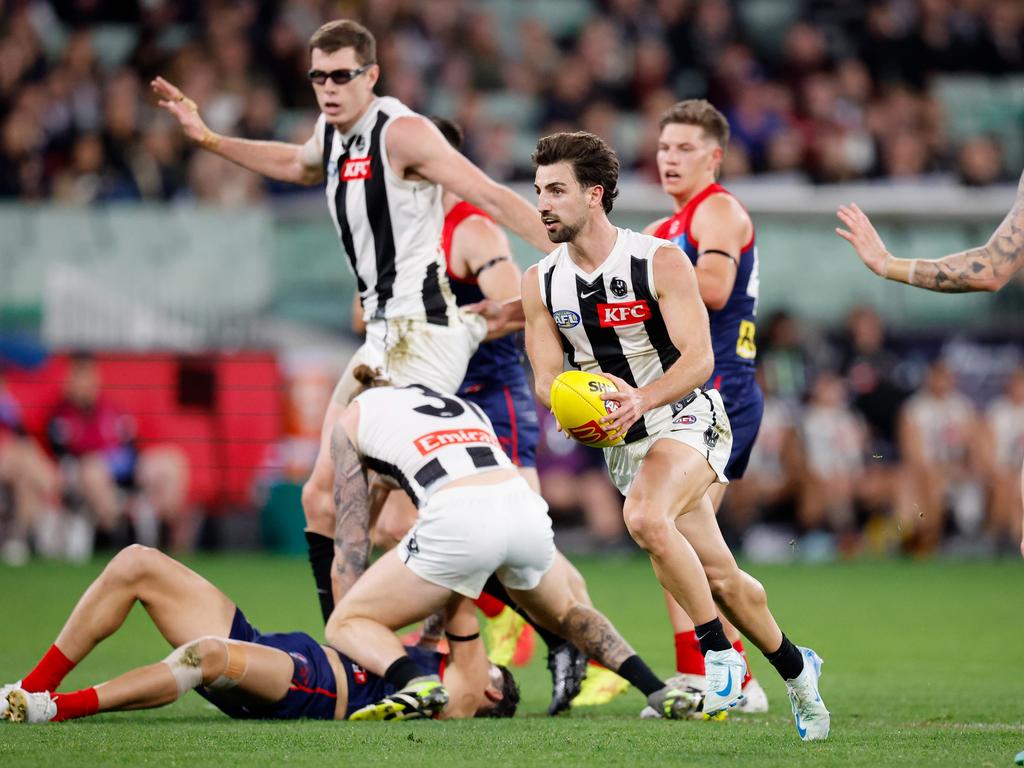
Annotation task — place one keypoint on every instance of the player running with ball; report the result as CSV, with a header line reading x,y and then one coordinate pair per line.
x,y
628,306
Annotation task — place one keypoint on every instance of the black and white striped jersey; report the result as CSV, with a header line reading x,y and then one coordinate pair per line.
x,y
424,440
390,227
609,319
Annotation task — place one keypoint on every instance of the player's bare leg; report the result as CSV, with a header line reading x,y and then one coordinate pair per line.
x,y
745,602
671,477
181,603
552,604
689,660
254,674
384,599
319,509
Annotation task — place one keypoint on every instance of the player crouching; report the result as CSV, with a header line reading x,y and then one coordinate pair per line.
x,y
477,516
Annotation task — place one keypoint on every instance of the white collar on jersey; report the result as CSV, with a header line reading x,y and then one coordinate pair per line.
x,y
611,258
363,124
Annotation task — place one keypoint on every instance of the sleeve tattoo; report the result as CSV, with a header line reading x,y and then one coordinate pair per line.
x,y
352,514
979,269
591,631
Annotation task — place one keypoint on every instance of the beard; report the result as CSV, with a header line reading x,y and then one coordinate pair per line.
x,y
565,233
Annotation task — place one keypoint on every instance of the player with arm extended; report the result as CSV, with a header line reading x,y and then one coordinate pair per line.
x,y
243,672
477,516
985,268
627,305
384,167
715,232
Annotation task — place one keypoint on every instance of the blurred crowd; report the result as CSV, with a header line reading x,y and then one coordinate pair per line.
x,y
822,91
872,444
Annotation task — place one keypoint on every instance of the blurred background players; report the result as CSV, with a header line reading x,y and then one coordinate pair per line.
x,y
715,232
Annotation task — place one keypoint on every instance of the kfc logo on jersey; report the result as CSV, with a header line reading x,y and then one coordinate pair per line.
x,y
358,674
356,169
431,442
623,313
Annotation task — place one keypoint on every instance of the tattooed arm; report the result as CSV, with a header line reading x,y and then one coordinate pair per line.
x,y
352,514
987,268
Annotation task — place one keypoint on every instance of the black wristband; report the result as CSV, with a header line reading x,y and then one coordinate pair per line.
x,y
461,638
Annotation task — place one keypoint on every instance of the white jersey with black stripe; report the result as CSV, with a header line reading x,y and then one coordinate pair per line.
x,y
609,319
424,440
389,227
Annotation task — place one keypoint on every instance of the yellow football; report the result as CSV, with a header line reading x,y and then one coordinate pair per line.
x,y
577,404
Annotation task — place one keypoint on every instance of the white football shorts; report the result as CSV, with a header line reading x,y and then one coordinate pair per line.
x,y
412,351
701,424
465,534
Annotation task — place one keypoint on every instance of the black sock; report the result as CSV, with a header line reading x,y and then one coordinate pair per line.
x,y
321,556
636,671
401,671
497,590
787,660
712,637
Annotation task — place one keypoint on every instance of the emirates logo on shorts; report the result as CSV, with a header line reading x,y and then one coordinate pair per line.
x,y
357,169
358,674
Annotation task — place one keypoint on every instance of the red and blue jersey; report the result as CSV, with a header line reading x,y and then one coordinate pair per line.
x,y
495,362
734,325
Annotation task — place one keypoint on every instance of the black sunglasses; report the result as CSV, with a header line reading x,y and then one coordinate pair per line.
x,y
337,76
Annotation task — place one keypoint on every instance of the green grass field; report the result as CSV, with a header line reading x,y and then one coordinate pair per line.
x,y
923,668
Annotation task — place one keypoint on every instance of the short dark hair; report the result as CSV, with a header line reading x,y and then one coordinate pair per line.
x,y
593,162
509,698
451,131
344,33
699,112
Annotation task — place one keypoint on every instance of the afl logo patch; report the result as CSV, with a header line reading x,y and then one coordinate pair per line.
x,y
619,287
566,318
685,419
332,168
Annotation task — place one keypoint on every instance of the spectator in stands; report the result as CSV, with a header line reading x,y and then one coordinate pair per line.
x,y
574,481
834,439
102,467
980,162
28,482
1005,419
942,444
770,488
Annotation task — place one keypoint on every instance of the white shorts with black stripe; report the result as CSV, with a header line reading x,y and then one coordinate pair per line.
x,y
701,424
465,534
413,351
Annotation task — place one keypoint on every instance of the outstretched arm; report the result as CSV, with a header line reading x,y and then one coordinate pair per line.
x,y
987,268
416,146
294,163
352,507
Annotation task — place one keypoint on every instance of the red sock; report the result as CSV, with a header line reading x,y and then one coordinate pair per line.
x,y
689,659
491,606
49,672
738,645
76,704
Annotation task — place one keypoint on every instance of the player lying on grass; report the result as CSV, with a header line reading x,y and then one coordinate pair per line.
x,y
244,673
477,516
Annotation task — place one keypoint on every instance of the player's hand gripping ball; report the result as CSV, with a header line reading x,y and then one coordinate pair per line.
x,y
577,404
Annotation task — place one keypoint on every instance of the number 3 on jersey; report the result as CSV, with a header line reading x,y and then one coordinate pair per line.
x,y
745,345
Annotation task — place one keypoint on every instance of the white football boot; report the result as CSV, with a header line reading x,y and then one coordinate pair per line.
x,y
4,690
25,707
812,718
725,671
755,700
